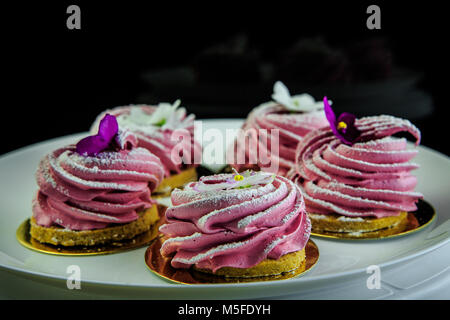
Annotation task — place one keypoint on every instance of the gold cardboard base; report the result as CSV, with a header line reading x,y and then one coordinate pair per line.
x,y
161,266
417,221
141,240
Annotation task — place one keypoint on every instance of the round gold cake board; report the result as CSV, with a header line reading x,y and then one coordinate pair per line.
x,y
417,220
161,266
141,240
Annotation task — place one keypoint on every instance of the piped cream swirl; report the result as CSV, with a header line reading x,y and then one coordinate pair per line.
x,y
90,192
160,140
291,126
234,227
370,178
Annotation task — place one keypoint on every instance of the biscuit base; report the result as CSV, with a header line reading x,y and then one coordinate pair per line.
x,y
268,267
175,181
361,226
65,237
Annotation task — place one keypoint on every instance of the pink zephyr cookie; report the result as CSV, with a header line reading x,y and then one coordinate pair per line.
x,y
167,132
94,199
273,130
362,187
244,225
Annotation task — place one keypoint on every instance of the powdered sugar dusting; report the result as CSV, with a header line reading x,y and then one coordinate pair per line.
x,y
272,214
90,192
370,178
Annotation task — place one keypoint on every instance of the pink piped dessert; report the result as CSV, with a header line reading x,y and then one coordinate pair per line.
x,y
356,177
96,191
238,225
273,130
167,132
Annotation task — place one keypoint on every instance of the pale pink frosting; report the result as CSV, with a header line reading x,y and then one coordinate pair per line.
x,y
160,141
370,178
234,227
91,192
292,127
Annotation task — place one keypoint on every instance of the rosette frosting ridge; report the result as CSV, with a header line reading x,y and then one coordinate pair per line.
x,y
236,226
154,127
372,177
80,192
273,130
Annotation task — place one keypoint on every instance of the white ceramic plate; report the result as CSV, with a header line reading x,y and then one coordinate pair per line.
x,y
125,275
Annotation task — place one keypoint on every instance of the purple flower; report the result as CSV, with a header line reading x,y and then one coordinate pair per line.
x,y
107,131
344,127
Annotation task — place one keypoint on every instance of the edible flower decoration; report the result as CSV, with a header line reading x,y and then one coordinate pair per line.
x,y
241,180
104,139
163,116
299,103
344,126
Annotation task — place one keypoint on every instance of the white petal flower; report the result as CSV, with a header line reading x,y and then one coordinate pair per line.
x,y
245,179
252,178
136,116
165,116
300,103
281,94
163,113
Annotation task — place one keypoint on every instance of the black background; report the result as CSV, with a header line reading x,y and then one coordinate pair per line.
x,y
55,80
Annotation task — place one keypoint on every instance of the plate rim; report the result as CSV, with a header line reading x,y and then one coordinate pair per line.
x,y
170,286
301,274
392,236
227,286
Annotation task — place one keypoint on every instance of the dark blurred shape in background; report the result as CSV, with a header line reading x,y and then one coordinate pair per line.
x,y
228,79
311,61
371,59
228,61
221,62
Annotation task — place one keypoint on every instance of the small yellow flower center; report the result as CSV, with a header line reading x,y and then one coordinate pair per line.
x,y
238,177
342,125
